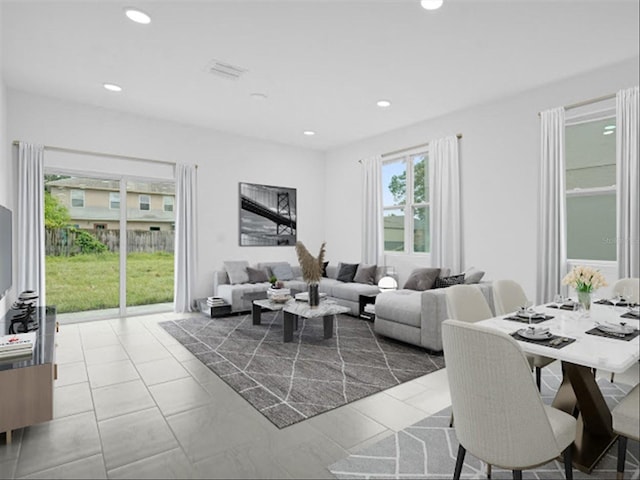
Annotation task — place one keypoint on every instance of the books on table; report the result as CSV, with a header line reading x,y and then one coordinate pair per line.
x,y
304,296
17,345
215,301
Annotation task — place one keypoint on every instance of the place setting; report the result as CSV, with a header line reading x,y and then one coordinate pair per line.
x,y
527,314
542,336
616,330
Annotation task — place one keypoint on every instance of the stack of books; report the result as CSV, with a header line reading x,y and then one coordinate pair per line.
x,y
215,302
18,345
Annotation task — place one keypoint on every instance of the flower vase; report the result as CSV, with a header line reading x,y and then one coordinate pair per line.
x,y
314,295
584,299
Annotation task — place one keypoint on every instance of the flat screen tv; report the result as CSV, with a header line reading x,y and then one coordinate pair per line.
x,y
6,250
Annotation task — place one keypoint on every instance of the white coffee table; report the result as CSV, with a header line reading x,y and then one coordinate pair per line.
x,y
326,310
266,304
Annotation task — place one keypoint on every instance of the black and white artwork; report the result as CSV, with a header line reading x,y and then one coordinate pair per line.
x,y
268,215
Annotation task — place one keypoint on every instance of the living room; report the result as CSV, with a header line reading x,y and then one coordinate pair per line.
x,y
499,148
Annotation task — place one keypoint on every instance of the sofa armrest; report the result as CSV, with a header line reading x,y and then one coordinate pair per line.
x,y
220,277
434,312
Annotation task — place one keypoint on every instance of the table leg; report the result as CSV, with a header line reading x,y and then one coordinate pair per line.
x,y
288,327
594,436
256,314
8,433
328,326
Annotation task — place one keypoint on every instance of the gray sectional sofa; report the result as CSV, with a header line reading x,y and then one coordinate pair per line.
x,y
241,295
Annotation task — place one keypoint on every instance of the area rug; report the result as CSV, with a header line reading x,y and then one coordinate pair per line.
x,y
428,449
290,382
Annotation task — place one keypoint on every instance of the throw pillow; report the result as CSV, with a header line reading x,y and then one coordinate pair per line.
x,y
365,274
256,275
473,275
324,269
237,271
282,271
443,282
444,272
422,279
346,272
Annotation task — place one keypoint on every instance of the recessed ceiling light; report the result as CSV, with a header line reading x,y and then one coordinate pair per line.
x,y
309,133
610,127
608,132
112,87
258,96
383,103
137,16
431,4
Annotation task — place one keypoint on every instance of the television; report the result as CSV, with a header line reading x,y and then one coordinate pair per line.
x,y
6,251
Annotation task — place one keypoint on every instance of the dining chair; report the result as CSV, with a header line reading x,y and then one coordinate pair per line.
x,y
467,303
626,424
509,296
500,417
627,286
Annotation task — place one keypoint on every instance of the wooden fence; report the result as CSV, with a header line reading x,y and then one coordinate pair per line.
x,y
61,241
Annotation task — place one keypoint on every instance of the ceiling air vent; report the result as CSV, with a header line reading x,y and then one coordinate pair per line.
x,y
225,70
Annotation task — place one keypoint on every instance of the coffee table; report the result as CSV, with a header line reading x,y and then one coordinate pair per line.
x,y
326,310
266,304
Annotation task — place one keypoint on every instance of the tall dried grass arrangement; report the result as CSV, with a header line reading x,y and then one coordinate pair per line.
x,y
311,267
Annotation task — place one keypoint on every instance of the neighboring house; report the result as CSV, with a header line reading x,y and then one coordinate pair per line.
x,y
94,204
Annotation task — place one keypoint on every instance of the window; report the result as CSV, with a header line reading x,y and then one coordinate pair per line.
x,y
591,189
154,229
99,226
77,198
114,200
167,203
405,191
144,202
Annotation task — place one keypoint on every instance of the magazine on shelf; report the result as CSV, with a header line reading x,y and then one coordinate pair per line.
x,y
17,345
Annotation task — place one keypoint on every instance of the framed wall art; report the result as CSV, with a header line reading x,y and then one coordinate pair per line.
x,y
268,215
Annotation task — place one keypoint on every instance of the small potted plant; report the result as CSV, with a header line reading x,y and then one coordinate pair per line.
x,y
273,281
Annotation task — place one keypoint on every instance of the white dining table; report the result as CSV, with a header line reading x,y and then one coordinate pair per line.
x,y
579,393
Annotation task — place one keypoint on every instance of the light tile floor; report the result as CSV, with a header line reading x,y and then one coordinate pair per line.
x,y
131,402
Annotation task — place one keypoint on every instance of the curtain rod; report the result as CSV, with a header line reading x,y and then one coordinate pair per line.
x,y
406,149
100,154
588,102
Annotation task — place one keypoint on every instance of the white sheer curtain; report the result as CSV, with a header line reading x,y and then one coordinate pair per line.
x,y
30,219
444,193
552,254
628,177
372,234
185,250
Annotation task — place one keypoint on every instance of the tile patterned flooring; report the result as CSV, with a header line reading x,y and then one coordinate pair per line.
x,y
131,402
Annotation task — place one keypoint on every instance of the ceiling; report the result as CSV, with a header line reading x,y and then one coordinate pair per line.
x,y
321,64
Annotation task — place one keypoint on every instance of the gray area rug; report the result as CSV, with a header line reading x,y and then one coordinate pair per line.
x,y
290,382
428,449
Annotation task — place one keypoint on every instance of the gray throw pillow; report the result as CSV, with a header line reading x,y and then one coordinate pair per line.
x,y
256,275
443,282
346,272
237,271
473,275
365,274
282,271
422,279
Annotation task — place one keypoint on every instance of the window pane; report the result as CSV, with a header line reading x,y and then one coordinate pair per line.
x,y
591,227
394,230
591,154
420,179
168,204
421,237
144,202
394,183
114,200
77,198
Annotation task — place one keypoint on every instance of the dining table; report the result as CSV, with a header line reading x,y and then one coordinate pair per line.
x,y
584,342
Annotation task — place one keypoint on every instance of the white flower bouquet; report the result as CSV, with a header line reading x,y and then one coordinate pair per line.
x,y
584,279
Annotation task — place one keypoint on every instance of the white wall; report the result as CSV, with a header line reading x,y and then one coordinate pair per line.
x,y
499,165
223,159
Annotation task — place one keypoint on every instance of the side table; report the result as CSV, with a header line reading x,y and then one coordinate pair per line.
x,y
215,311
363,301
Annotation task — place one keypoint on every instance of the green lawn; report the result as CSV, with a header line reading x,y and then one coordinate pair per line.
x,y
91,282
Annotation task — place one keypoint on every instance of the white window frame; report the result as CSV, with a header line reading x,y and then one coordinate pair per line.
x,y
409,204
140,203
114,197
71,197
165,204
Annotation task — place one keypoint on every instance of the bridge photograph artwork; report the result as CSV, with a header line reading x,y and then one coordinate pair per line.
x,y
267,215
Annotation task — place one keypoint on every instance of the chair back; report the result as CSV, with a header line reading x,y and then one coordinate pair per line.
x,y
508,296
467,303
499,415
631,285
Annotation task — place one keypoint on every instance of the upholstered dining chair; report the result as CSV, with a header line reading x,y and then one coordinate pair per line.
x,y
500,417
509,296
467,303
631,285
626,423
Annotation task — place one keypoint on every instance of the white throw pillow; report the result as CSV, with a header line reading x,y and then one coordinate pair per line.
x,y
473,275
237,271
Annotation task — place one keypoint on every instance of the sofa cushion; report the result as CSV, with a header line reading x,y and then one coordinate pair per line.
x,y
237,271
443,282
346,271
352,291
365,274
324,269
282,271
257,275
422,279
473,275
401,306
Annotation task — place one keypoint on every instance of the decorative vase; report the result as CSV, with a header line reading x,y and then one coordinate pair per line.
x,y
584,299
314,296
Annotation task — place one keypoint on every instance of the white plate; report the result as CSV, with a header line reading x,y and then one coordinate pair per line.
x,y
613,328
526,315
534,334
